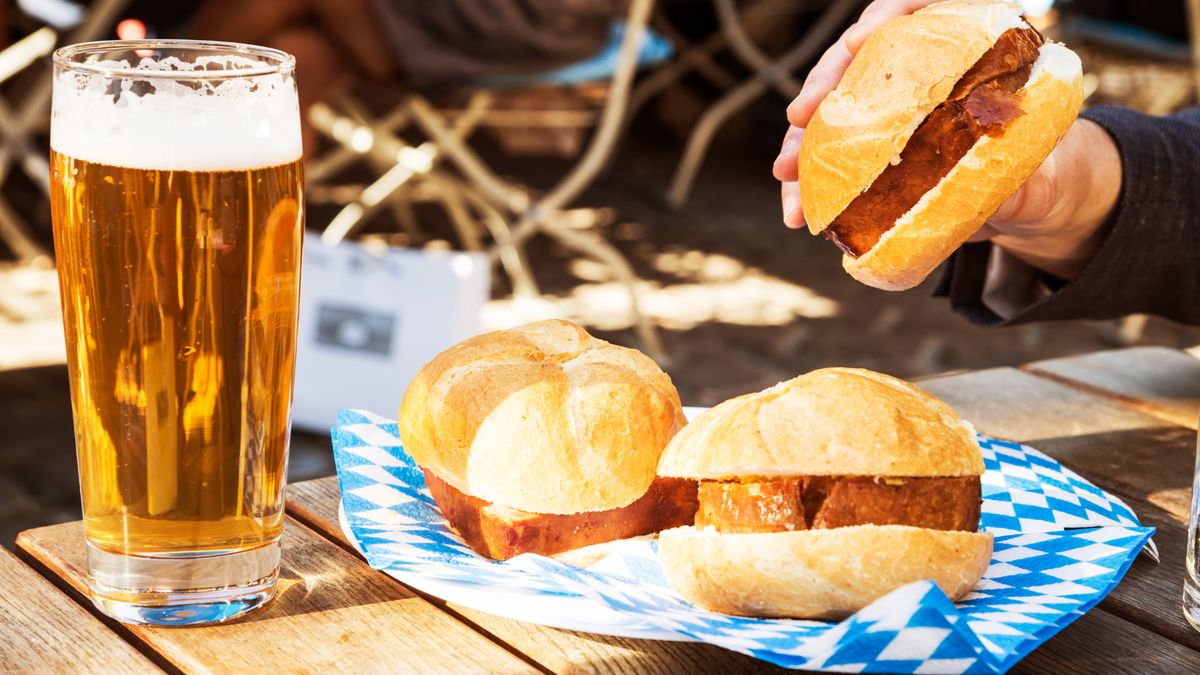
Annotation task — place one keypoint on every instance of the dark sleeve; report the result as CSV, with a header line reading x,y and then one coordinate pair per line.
x,y
1149,261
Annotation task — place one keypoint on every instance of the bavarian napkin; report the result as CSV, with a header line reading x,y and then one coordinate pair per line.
x,y
1061,544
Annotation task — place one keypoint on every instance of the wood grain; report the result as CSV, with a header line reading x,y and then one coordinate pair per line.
x,y
1161,382
316,503
1150,594
1142,459
1114,645
1008,403
333,614
1123,450
42,630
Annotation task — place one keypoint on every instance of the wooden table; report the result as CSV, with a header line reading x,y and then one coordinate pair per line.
x,y
1124,419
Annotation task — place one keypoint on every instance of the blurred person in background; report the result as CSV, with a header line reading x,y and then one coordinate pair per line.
x,y
1166,19
1109,225
412,43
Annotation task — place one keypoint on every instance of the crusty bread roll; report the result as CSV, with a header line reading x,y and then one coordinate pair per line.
x,y
818,424
816,574
542,418
905,70
830,422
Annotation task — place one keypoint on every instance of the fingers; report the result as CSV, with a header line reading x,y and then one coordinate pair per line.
x,y
877,14
793,217
833,63
820,81
785,168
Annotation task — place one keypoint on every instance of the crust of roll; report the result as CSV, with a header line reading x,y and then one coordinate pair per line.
x,y
542,418
817,574
992,170
904,70
833,421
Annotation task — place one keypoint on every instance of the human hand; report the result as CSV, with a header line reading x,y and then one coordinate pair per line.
x,y
821,80
1052,222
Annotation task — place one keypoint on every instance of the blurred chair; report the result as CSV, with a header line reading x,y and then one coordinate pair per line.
x,y
766,72
27,115
482,205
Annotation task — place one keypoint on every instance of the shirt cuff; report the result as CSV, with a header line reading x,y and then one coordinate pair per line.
x,y
1011,285
1146,261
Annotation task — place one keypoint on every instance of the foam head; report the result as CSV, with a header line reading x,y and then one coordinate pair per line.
x,y
111,114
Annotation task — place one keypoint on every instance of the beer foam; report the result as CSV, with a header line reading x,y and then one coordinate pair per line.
x,y
183,125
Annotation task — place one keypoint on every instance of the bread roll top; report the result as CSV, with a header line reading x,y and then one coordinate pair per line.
x,y
544,418
829,422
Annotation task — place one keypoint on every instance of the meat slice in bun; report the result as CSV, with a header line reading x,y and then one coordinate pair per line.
x,y
941,116
823,493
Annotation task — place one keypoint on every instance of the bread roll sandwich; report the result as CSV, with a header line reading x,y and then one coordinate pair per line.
x,y
544,439
823,493
941,116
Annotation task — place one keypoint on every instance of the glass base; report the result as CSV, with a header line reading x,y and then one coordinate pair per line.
x,y
1191,603
182,589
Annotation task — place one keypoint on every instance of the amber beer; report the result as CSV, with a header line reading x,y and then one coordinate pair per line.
x,y
181,290
177,208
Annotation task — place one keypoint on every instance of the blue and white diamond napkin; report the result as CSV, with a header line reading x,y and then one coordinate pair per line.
x,y
1061,545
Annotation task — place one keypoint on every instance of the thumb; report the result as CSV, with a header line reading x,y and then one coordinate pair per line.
x,y
1036,201
985,232
1011,207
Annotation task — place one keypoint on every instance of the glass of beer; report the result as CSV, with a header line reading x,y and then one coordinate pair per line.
x,y
1191,580
178,216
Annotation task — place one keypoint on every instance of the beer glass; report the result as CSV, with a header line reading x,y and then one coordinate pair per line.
x,y
1191,581
178,215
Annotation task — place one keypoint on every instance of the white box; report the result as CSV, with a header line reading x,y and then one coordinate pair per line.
x,y
369,319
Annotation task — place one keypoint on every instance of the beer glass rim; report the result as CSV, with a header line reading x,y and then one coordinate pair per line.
x,y
277,61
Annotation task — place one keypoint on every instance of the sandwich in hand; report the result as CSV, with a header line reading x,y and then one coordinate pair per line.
x,y
544,439
941,116
823,493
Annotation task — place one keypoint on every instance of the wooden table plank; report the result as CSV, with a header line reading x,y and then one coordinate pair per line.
x,y
1156,380
333,614
1114,646
1123,450
42,630
1150,594
1142,459
316,503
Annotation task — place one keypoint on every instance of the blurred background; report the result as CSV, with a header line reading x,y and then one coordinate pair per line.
x,y
478,164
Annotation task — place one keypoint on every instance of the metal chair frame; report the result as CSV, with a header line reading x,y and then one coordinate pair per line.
x,y
19,122
476,199
767,73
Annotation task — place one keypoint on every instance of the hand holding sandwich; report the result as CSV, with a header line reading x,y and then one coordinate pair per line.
x,y
1053,222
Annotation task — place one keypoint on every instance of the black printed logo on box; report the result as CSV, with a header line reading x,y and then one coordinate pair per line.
x,y
355,329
